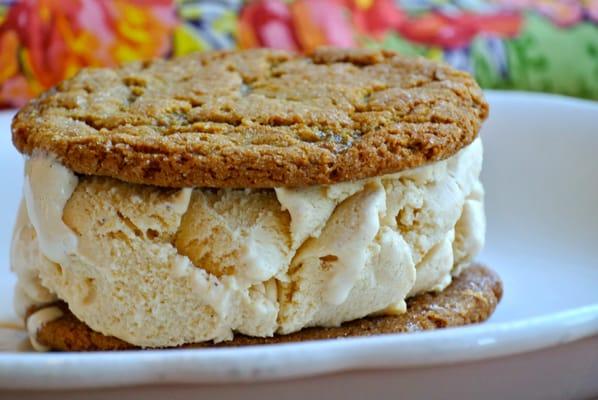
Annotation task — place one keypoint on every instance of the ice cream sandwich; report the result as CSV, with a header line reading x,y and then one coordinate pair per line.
x,y
251,197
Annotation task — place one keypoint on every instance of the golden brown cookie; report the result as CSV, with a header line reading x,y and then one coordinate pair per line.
x,y
256,118
471,298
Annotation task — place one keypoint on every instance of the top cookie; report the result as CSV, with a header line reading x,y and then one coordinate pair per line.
x,y
256,118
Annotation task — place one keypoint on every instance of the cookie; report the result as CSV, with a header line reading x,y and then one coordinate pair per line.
x,y
255,118
471,298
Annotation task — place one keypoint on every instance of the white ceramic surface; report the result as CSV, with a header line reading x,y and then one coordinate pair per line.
x,y
541,177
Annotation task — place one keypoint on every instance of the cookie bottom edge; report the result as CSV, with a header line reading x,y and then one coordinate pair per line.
x,y
471,298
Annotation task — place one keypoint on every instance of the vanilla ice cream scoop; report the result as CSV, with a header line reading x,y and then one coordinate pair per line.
x,y
160,267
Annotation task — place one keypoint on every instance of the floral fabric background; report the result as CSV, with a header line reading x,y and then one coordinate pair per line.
x,y
545,45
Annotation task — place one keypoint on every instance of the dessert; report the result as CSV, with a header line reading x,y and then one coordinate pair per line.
x,y
252,194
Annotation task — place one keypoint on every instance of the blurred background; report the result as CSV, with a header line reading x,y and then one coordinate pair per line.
x,y
539,45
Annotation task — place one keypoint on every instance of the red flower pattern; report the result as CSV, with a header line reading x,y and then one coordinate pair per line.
x,y
306,24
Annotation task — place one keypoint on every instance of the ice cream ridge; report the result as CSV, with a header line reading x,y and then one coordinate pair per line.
x,y
252,192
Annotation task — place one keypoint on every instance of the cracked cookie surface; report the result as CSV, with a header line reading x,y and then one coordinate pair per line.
x,y
255,118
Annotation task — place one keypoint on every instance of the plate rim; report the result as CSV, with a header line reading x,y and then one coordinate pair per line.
x,y
285,361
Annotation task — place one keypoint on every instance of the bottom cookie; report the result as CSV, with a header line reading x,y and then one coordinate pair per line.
x,y
471,298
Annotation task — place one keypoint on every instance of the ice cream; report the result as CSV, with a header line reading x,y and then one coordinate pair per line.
x,y
163,267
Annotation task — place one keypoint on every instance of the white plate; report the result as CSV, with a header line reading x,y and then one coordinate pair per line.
x,y
541,177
